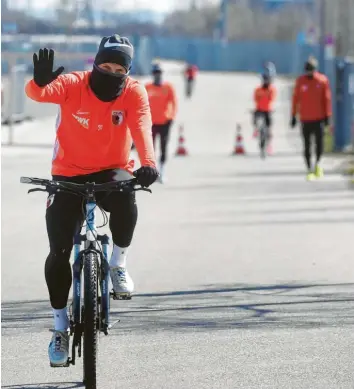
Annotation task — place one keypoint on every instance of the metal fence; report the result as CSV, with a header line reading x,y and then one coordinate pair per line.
x,y
207,54
16,107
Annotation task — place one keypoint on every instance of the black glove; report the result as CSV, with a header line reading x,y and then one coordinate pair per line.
x,y
43,67
326,121
293,122
146,175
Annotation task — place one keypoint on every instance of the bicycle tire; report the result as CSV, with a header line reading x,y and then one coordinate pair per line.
x,y
90,316
262,142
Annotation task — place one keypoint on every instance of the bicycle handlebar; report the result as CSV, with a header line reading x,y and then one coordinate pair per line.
x,y
89,188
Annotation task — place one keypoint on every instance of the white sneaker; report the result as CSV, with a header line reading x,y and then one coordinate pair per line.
x,y
123,285
58,349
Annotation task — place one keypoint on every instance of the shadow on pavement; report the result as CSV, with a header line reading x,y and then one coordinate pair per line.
x,y
214,307
50,385
263,222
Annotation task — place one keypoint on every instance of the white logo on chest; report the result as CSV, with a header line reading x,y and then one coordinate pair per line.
x,y
83,121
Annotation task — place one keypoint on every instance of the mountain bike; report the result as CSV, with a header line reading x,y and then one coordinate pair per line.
x,y
90,309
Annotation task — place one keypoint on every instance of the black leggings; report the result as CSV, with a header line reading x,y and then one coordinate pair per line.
x,y
63,217
310,129
266,115
189,86
164,131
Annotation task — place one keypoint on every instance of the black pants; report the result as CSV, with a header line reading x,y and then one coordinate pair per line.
x,y
164,131
189,86
64,215
309,130
266,115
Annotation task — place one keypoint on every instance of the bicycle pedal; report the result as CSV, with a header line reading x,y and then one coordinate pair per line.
x,y
121,296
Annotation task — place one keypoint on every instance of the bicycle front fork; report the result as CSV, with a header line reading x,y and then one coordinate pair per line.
x,y
105,294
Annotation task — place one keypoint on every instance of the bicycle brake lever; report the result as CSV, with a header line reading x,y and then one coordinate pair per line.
x,y
36,190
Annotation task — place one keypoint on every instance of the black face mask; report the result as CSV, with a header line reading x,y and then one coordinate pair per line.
x,y
105,85
157,78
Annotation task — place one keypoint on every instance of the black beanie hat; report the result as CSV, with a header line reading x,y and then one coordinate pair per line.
x,y
311,64
115,49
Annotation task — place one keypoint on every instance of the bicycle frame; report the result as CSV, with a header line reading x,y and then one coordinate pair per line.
x,y
263,131
90,240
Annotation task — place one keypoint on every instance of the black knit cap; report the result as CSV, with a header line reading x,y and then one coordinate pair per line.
x,y
115,49
311,64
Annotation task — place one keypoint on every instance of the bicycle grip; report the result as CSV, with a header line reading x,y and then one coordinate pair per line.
x,y
26,180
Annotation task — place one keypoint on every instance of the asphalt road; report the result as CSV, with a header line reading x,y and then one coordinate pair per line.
x,y
243,270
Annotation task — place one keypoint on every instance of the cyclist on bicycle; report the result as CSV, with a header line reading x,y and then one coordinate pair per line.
x,y
264,97
163,104
100,111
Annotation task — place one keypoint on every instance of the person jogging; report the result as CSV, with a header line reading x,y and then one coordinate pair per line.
x,y
163,105
312,101
190,75
100,111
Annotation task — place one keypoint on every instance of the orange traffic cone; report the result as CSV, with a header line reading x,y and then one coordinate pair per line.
x,y
181,149
239,148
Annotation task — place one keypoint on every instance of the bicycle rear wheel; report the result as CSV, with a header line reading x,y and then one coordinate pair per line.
x,y
90,314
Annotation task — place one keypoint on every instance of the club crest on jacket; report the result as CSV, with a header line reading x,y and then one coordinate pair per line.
x,y
117,117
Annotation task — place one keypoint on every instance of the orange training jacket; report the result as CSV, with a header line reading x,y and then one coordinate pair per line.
x,y
312,98
92,135
264,98
163,102
191,72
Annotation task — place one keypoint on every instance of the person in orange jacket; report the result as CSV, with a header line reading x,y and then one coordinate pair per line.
x,y
264,97
163,105
312,101
100,111
190,74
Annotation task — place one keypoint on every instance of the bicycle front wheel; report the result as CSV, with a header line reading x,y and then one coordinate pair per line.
x,y
90,315
262,142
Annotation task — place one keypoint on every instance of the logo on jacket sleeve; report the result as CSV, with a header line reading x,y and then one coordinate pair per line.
x,y
117,117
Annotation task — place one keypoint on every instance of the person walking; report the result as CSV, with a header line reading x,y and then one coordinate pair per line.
x,y
312,102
